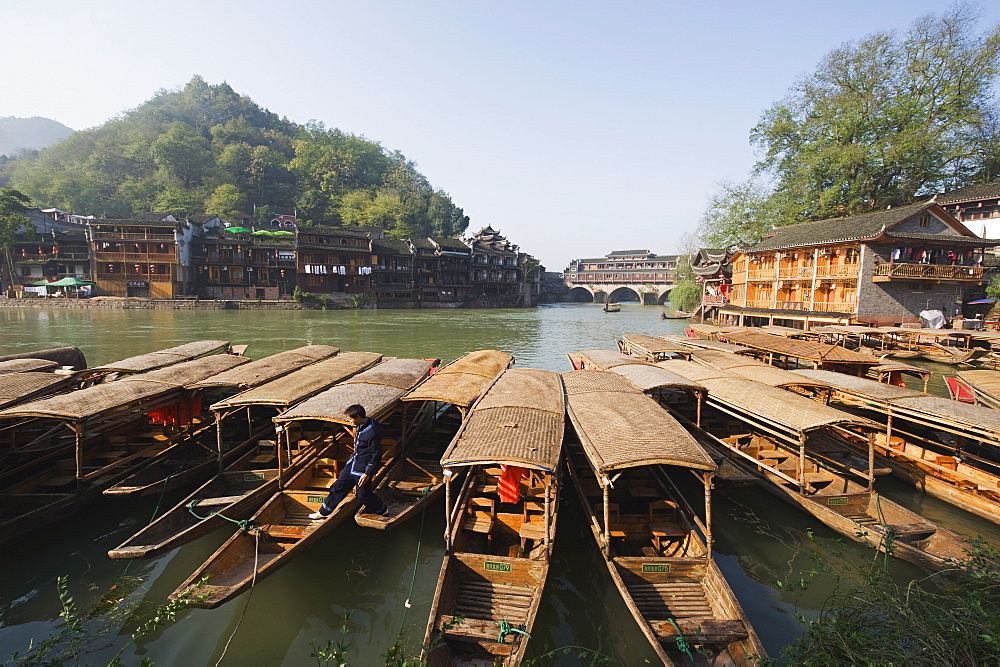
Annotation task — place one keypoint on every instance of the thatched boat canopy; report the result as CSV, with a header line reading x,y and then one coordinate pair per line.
x,y
378,389
263,370
860,387
694,371
64,356
757,371
18,387
800,349
299,385
783,409
462,381
167,357
701,343
649,377
938,410
602,360
139,391
26,365
655,348
986,383
620,427
518,421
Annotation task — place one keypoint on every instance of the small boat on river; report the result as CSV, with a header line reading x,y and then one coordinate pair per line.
x,y
416,479
657,550
612,307
501,524
282,527
781,434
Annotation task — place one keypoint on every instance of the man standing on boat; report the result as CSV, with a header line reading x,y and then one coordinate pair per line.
x,y
359,469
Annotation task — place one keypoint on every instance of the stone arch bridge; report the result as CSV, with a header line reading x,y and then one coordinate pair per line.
x,y
649,294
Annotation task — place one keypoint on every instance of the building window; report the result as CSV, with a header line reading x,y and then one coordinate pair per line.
x,y
925,220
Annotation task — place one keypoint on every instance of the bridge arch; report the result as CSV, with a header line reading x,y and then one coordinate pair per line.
x,y
580,295
664,296
625,294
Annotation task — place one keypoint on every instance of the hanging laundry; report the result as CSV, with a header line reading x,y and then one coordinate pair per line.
x,y
509,486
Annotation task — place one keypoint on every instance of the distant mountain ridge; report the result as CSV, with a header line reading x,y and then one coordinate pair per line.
x,y
29,133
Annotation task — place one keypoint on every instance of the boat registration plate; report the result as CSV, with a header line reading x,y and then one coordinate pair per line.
x,y
837,501
315,499
655,567
252,477
494,566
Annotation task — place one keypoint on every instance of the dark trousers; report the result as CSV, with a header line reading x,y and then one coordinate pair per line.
x,y
339,490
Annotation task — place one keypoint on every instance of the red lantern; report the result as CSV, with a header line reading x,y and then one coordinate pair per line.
x,y
40,251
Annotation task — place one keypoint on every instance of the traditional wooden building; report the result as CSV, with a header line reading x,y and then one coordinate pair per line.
x,y
236,263
136,256
713,271
495,279
879,268
333,260
47,248
977,207
392,281
454,269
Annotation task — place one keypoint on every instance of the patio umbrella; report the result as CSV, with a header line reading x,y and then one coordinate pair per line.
x,y
980,301
237,230
69,281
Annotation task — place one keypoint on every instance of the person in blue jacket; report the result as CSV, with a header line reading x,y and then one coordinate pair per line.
x,y
359,469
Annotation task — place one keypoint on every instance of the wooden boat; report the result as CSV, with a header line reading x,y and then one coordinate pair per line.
x,y
112,434
497,553
282,525
611,307
676,315
150,361
246,484
416,479
658,552
774,431
650,348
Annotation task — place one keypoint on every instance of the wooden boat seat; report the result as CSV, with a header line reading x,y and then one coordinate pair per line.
x,y
411,487
665,532
777,454
263,459
220,500
478,522
531,530
279,531
469,628
912,530
701,630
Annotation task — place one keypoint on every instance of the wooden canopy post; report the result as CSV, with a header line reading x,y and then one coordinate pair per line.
x,y
279,430
447,510
218,438
802,462
607,519
78,437
871,459
697,410
548,510
709,483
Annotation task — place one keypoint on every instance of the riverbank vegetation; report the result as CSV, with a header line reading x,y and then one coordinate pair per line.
x,y
881,121
205,149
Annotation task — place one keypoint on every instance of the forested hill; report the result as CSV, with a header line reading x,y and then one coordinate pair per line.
x,y
207,149
20,134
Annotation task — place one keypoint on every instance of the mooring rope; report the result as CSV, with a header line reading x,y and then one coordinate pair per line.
x,y
416,562
253,582
245,524
682,643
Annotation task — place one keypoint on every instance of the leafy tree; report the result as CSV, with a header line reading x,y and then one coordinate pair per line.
x,y
686,295
737,215
225,199
183,153
883,120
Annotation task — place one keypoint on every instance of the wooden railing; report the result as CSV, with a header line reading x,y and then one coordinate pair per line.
x,y
792,305
795,272
933,271
759,303
711,300
761,274
838,271
834,306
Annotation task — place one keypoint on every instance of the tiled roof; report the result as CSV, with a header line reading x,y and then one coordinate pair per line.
x,y
450,244
970,240
423,243
837,230
643,251
390,247
970,193
333,231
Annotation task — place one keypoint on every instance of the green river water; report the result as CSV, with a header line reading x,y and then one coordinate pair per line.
x,y
759,539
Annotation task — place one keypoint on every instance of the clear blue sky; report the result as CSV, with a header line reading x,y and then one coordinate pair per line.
x,y
575,128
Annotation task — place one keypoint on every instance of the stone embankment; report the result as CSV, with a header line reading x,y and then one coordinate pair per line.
x,y
168,304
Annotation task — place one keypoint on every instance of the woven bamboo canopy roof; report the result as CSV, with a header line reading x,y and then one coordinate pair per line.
x,y
694,371
620,427
608,359
64,356
701,343
754,370
986,382
463,380
125,393
649,377
861,387
938,409
790,411
378,389
299,385
654,346
263,370
18,387
518,421
819,352
25,365
166,357
890,366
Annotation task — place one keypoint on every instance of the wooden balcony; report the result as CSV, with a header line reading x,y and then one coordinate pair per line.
x,y
761,274
838,271
758,303
834,306
893,271
795,272
711,300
